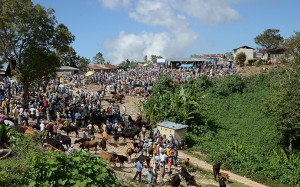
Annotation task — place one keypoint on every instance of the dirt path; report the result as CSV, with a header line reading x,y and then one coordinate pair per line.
x,y
208,167
125,175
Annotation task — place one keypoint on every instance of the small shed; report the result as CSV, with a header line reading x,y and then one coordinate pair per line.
x,y
177,130
67,70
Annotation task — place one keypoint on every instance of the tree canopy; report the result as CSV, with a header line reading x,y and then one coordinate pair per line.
x,y
286,103
269,39
23,24
195,56
31,35
99,59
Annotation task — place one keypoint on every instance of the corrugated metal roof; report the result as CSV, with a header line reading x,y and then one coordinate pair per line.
x,y
172,125
186,60
67,68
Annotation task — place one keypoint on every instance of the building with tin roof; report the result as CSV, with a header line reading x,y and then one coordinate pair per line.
x,y
178,131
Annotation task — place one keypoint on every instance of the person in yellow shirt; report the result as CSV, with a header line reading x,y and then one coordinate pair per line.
x,y
154,148
3,105
168,150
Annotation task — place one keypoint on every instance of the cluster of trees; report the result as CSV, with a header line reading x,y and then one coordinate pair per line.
x,y
269,42
32,36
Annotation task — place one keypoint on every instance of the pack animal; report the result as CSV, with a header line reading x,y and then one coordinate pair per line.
x,y
189,179
81,140
108,157
120,158
66,140
176,181
89,144
223,176
216,169
106,136
222,183
69,129
55,143
116,137
129,151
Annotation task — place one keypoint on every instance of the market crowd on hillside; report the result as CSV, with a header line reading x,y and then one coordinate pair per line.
x,y
66,98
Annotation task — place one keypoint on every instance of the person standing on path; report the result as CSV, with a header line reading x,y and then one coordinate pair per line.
x,y
150,178
124,110
139,168
162,173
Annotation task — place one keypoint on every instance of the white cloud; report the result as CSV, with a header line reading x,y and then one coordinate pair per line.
x,y
173,16
115,4
212,11
134,47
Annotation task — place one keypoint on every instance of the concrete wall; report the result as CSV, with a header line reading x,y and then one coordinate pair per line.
x,y
177,134
249,53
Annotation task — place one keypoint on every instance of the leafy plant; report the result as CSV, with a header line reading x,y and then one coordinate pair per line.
x,y
240,58
79,169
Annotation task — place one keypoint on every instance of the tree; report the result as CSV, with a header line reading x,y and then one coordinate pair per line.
x,y
292,48
196,56
229,55
83,63
99,59
68,57
146,59
269,40
37,65
240,58
27,30
154,58
285,103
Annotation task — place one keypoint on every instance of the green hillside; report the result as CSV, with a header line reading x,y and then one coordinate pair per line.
x,y
230,121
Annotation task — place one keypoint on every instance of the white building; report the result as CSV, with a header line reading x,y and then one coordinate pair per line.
x,y
249,51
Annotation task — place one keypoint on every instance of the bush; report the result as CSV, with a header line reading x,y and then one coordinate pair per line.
x,y
78,169
251,62
229,85
33,166
240,58
260,62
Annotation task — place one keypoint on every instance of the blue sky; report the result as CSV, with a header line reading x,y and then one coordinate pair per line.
x,y
131,29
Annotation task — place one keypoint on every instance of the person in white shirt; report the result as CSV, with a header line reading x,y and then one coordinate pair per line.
x,y
32,113
37,115
124,110
71,150
42,126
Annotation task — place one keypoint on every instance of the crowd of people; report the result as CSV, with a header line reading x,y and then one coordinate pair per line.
x,y
66,98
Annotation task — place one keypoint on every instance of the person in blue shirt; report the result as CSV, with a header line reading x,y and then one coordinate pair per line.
x,y
84,135
139,168
150,178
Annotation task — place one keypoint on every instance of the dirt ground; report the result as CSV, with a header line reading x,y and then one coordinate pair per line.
x,y
126,174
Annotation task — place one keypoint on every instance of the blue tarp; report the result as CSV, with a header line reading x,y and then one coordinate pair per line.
x,y
186,65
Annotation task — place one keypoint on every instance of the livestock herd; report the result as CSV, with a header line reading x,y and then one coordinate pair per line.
x,y
125,127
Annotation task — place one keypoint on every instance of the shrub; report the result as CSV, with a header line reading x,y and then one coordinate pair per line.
x,y
78,169
240,58
251,62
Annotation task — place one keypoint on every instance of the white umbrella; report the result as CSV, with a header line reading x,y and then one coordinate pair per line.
x,y
9,123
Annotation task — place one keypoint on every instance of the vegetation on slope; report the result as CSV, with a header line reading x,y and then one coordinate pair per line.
x,y
33,166
229,120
